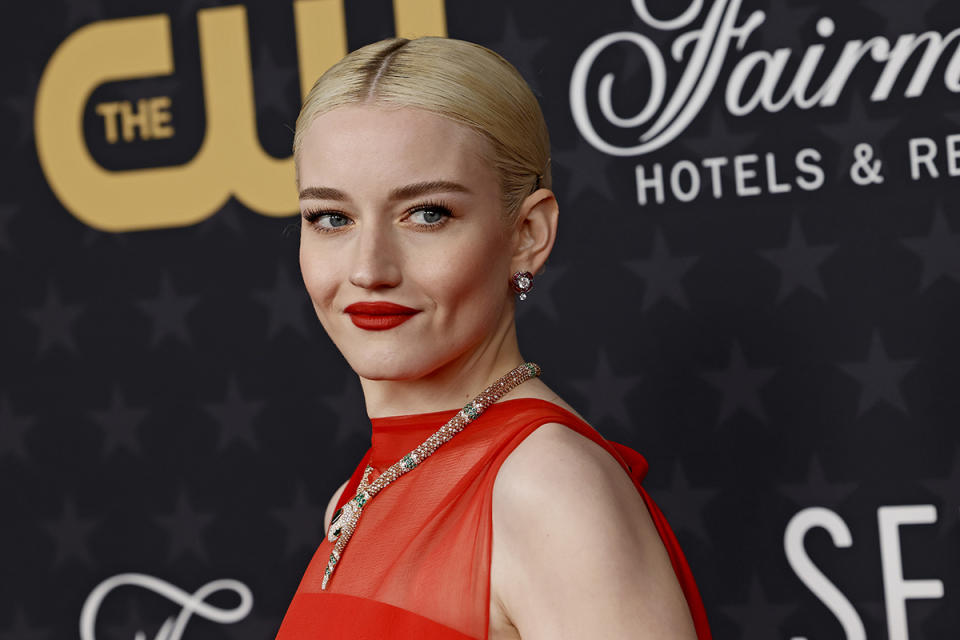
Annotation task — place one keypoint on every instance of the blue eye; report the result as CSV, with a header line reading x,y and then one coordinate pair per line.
x,y
431,215
326,219
335,220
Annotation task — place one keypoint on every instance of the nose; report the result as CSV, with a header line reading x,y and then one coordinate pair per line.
x,y
375,261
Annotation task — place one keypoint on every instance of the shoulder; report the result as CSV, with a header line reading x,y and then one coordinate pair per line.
x,y
554,453
577,554
557,474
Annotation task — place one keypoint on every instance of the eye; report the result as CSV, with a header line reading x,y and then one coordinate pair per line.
x,y
327,220
431,215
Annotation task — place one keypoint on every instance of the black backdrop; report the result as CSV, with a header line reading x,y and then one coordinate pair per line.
x,y
782,344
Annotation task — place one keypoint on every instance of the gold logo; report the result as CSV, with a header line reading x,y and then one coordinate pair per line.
x,y
230,160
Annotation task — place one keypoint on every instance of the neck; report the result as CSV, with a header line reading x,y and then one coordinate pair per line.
x,y
450,386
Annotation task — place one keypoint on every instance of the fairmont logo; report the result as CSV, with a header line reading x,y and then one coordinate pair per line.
x,y
704,51
189,603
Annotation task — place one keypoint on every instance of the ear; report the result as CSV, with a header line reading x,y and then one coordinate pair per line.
x,y
534,231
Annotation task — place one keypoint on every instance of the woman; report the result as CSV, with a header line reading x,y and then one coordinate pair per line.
x,y
424,180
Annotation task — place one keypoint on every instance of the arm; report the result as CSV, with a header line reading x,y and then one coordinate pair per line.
x,y
578,555
328,515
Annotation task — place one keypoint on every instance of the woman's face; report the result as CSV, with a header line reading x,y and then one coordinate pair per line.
x,y
401,206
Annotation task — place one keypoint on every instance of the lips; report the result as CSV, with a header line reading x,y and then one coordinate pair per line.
x,y
379,316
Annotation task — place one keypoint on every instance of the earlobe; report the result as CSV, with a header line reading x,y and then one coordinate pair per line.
x,y
536,230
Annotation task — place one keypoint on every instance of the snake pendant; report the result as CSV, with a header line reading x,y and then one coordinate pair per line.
x,y
341,529
344,521
349,512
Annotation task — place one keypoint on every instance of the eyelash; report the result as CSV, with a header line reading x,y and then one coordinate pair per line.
x,y
312,215
432,205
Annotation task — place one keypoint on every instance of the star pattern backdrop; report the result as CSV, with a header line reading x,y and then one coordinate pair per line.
x,y
169,404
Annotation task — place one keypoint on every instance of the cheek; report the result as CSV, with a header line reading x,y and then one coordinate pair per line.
x,y
318,277
470,276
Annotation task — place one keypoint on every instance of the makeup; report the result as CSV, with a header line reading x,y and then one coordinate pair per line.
x,y
379,316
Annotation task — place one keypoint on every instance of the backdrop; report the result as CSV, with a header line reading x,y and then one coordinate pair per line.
x,y
756,284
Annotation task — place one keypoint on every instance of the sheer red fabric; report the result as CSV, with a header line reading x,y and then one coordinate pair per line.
x,y
418,564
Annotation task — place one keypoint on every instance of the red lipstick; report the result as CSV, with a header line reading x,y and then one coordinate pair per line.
x,y
379,316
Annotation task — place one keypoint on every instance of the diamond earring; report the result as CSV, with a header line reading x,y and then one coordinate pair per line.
x,y
522,282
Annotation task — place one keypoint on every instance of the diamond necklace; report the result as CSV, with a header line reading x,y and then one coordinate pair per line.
x,y
345,519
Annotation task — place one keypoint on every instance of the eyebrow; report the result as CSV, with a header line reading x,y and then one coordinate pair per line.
x,y
400,193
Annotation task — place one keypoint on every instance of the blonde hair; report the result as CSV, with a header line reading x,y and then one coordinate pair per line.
x,y
459,80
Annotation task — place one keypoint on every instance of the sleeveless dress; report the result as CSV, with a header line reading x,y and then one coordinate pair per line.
x,y
418,564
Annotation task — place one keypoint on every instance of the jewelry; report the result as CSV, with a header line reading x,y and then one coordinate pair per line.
x,y
522,282
345,519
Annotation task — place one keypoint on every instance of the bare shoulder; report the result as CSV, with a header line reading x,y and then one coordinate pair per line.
x,y
555,453
559,471
557,450
576,553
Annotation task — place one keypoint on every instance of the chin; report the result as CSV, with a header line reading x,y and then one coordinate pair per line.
x,y
389,366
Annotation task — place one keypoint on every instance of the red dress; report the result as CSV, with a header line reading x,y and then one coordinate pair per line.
x,y
418,564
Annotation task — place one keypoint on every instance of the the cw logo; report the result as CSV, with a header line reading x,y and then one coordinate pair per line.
x,y
230,160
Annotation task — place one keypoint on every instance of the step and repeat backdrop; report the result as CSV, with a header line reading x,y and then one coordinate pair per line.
x,y
756,284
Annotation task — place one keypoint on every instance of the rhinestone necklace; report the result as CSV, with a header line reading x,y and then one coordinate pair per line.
x,y
345,519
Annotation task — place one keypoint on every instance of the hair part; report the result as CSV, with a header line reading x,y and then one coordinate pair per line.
x,y
455,79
